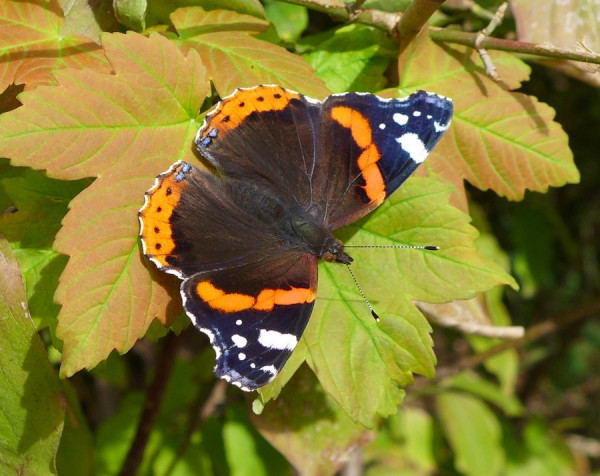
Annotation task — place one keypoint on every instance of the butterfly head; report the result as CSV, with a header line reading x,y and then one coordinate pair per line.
x,y
333,251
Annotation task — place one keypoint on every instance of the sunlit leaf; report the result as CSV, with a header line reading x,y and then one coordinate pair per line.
x,y
32,44
500,140
126,128
236,59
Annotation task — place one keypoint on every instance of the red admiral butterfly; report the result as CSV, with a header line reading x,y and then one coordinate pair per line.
x,y
288,171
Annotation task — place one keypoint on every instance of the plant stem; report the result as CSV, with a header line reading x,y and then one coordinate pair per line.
x,y
414,19
154,398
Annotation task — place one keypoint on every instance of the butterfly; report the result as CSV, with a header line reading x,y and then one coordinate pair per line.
x,y
287,171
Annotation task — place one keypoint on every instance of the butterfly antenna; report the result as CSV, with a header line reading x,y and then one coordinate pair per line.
x,y
373,313
413,247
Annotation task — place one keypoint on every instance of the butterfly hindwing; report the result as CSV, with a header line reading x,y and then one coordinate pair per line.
x,y
254,317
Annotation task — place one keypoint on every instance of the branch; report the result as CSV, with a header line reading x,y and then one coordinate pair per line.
x,y
390,23
414,19
152,405
546,51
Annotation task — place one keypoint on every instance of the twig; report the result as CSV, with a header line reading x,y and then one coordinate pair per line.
x,y
533,333
487,31
152,405
546,51
482,329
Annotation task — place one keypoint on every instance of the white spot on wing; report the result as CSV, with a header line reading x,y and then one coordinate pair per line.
x,y
242,356
413,145
238,322
399,118
277,340
239,340
416,113
382,126
441,127
269,368
252,365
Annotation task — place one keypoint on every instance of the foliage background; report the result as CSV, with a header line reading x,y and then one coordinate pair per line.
x,y
89,118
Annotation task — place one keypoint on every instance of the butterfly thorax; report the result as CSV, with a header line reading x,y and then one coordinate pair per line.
x,y
319,239
303,228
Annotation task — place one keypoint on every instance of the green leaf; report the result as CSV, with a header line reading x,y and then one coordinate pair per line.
x,y
41,272
116,434
246,451
76,450
41,204
419,214
474,434
317,438
418,434
235,59
351,58
406,441
195,21
540,450
289,20
90,19
32,407
472,383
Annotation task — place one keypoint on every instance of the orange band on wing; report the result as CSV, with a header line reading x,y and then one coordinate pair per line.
x,y
356,122
234,109
156,232
265,301
367,161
